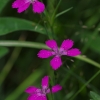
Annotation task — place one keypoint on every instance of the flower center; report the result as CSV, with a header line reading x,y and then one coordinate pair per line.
x,y
43,91
31,1
59,52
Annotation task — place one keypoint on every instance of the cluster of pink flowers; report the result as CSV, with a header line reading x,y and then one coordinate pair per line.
x,y
65,49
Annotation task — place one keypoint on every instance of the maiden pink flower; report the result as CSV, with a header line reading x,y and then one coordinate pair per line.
x,y
65,49
40,94
22,5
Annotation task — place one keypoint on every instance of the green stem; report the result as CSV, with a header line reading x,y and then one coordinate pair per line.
x,y
88,61
42,46
54,13
10,43
9,65
85,85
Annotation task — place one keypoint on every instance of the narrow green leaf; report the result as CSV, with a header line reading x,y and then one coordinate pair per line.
x,y
3,51
59,14
94,96
10,43
8,25
21,88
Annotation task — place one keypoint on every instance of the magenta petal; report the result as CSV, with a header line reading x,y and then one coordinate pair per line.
x,y
31,89
36,97
73,52
56,62
44,53
56,88
52,44
23,7
67,44
16,4
45,81
38,7
32,97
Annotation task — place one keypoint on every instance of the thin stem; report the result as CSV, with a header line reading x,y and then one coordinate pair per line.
x,y
88,61
10,43
8,66
94,76
54,14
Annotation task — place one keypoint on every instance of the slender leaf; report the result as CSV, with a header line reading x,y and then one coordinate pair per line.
x,y
21,88
94,96
8,25
63,12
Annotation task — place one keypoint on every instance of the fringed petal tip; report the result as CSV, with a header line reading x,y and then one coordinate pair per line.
x,y
15,4
56,88
24,7
56,63
31,89
73,52
52,44
38,7
44,53
67,44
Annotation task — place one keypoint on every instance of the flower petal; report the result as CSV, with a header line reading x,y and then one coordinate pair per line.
x,y
38,7
52,44
67,44
56,88
23,7
73,52
17,3
36,97
45,81
56,63
44,53
31,89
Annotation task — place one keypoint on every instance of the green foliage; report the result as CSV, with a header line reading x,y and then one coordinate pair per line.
x,y
23,35
3,51
94,96
8,25
3,4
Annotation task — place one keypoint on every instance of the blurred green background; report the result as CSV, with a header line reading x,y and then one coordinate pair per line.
x,y
19,65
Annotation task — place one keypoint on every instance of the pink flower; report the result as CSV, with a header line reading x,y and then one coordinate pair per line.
x,y
65,49
22,5
40,94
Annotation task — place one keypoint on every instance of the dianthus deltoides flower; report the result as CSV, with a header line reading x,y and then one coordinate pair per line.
x,y
40,94
65,49
22,5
